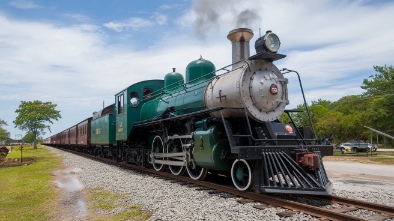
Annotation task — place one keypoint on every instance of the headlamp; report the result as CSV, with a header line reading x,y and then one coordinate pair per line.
x,y
271,41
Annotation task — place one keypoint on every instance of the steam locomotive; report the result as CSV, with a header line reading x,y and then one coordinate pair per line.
x,y
224,121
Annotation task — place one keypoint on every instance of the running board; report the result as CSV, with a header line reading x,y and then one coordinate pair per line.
x,y
177,159
169,162
180,137
177,154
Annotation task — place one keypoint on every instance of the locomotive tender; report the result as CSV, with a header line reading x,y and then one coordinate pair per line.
x,y
225,123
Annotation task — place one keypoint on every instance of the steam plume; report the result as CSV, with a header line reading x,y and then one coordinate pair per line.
x,y
246,18
211,14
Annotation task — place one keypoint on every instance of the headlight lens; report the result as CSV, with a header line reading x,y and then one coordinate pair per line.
x,y
272,42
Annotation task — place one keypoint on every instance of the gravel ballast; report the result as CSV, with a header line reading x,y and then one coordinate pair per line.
x,y
172,201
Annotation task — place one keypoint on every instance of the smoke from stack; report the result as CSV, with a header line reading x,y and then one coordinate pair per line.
x,y
210,15
246,17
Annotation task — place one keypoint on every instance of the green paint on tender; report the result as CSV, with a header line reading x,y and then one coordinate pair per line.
x,y
102,132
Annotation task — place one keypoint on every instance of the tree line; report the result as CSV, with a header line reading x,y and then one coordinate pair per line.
x,y
345,119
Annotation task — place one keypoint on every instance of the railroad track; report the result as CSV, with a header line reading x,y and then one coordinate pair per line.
x,y
265,201
385,212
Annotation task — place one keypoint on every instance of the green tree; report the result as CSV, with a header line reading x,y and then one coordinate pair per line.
x,y
380,87
354,109
330,126
4,135
29,138
351,104
317,109
345,119
33,116
381,84
40,139
300,117
338,121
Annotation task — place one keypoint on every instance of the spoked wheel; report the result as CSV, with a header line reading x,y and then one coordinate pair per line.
x,y
157,147
174,147
196,172
242,175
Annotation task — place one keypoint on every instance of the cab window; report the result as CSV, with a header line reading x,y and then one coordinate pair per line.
x,y
120,104
147,93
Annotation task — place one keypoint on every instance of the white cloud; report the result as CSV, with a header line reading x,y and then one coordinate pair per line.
x,y
170,6
77,17
24,4
133,23
160,19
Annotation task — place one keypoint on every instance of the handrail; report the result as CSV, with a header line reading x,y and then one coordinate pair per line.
x,y
303,96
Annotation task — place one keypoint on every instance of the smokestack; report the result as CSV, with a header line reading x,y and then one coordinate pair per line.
x,y
240,38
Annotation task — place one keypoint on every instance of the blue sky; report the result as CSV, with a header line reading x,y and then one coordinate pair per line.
x,y
78,54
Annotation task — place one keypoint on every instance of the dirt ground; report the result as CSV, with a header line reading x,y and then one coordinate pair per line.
x,y
10,162
71,203
359,171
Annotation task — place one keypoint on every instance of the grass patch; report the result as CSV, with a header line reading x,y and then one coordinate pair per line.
x,y
27,192
105,203
379,157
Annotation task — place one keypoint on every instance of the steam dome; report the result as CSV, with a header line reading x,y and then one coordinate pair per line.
x,y
198,70
173,80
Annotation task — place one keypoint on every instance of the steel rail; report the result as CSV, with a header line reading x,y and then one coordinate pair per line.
x,y
360,204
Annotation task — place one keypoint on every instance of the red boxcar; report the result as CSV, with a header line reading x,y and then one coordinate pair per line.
x,y
67,137
83,130
64,137
73,135
56,140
